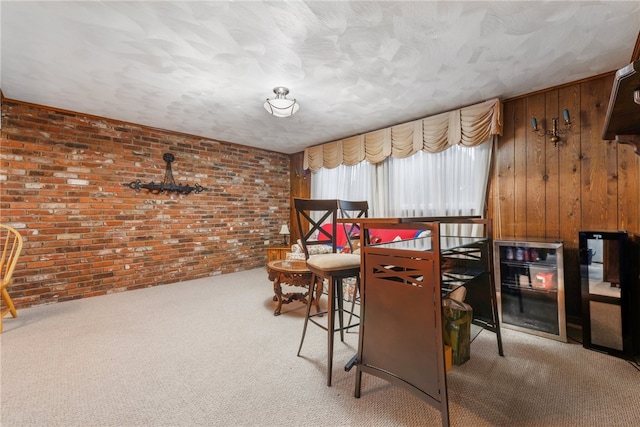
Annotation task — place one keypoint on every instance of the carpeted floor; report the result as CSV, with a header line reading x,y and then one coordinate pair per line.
x,y
210,352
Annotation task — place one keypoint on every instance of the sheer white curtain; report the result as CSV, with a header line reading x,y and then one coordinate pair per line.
x,y
345,182
452,182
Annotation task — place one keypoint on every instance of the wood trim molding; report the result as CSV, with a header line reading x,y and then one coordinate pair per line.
x,y
636,50
562,86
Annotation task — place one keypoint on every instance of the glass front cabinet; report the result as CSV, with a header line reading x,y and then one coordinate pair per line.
x,y
610,278
530,287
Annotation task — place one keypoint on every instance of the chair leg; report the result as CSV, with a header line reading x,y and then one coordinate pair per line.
x,y
319,290
312,287
10,308
356,294
9,303
358,382
331,311
340,299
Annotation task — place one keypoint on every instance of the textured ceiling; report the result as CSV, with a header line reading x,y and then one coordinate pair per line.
x,y
205,68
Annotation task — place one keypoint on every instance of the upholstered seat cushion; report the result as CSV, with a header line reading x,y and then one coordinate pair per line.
x,y
334,261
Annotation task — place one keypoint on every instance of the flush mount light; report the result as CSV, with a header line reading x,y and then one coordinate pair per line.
x,y
280,106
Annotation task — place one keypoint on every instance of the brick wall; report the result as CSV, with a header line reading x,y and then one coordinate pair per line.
x,y
86,234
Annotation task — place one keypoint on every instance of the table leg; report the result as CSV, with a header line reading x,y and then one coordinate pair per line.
x,y
277,289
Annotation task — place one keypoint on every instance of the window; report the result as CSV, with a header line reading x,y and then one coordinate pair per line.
x,y
451,182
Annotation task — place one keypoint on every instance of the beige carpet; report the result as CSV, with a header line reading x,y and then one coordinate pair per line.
x,y
210,352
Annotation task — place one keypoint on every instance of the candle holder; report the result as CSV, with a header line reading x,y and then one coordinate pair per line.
x,y
554,133
168,185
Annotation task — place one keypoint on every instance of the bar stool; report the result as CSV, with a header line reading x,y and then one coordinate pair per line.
x,y
332,267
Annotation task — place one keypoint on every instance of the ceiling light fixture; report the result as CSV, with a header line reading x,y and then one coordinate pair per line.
x,y
280,106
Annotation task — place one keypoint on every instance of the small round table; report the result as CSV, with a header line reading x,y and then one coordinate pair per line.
x,y
290,272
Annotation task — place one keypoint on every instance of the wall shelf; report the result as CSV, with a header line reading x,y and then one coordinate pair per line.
x,y
622,121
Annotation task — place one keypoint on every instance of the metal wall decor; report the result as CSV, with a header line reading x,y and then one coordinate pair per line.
x,y
302,174
168,184
554,133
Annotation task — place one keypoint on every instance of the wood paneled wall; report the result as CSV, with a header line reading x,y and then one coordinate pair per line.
x,y
538,190
300,187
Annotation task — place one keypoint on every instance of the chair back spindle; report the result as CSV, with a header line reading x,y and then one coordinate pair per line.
x,y
355,210
11,242
316,213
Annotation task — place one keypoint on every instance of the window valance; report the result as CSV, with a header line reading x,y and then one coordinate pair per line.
x,y
468,126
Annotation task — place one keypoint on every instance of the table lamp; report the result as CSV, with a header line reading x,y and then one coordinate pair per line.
x,y
284,230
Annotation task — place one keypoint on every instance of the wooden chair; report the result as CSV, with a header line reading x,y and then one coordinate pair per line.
x,y
11,242
332,267
353,209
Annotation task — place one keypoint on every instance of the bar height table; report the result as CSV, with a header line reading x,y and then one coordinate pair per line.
x,y
402,287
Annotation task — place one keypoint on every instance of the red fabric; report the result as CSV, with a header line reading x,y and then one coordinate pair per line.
x,y
341,236
388,235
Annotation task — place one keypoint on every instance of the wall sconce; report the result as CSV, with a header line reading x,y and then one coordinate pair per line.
x,y
301,174
284,230
168,184
554,133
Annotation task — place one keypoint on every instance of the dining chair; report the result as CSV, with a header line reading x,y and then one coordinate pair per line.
x,y
331,267
355,210
11,242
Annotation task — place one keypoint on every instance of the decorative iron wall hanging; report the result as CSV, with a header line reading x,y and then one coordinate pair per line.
x,y
168,184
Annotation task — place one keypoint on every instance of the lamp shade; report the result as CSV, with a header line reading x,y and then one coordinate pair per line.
x,y
280,106
284,229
